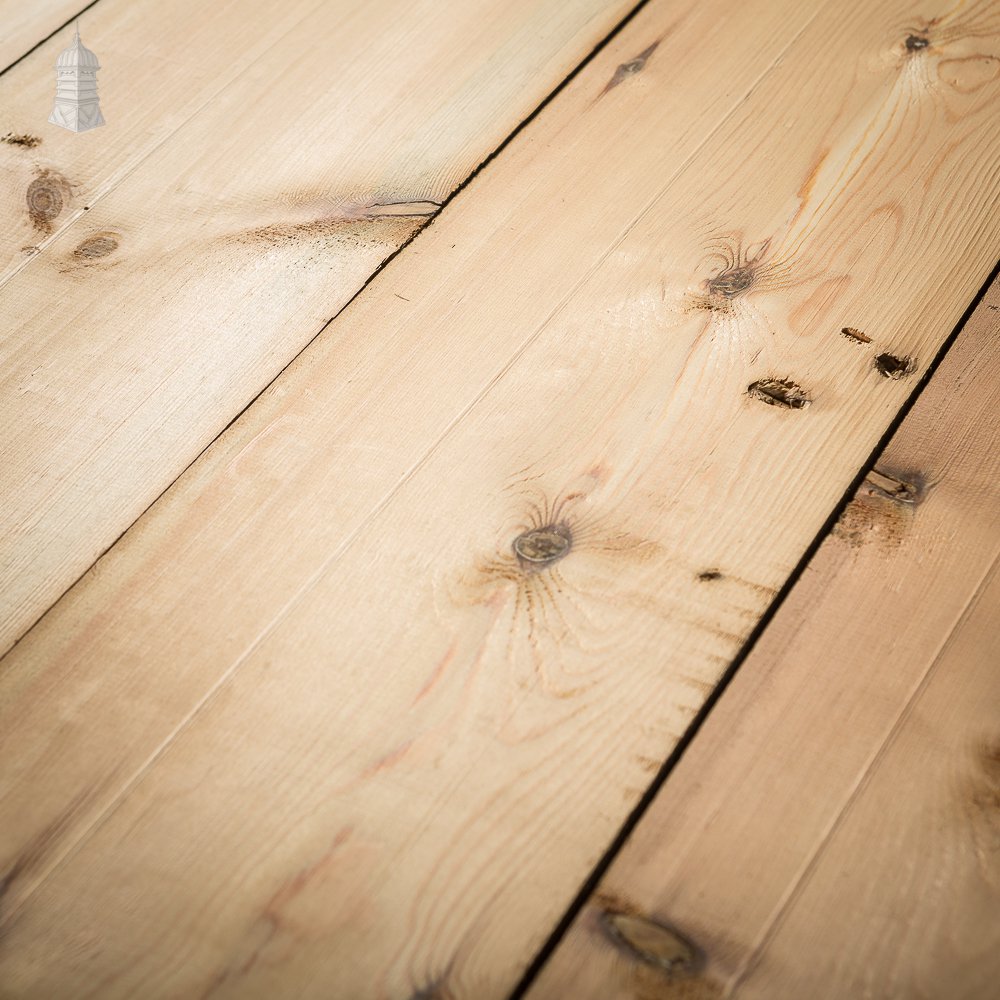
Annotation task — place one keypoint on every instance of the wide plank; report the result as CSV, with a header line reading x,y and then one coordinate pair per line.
x,y
831,831
300,154
369,744
25,25
158,68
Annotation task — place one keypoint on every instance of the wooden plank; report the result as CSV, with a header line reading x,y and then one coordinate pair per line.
x,y
830,827
367,747
908,884
158,68
145,324
22,25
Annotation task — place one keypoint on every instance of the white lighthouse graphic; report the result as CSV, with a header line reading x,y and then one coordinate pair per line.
x,y
76,106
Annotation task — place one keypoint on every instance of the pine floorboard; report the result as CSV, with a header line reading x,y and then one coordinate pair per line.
x,y
411,573
260,162
832,829
26,25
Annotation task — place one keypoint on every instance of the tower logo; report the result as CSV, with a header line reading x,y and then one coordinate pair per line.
x,y
76,106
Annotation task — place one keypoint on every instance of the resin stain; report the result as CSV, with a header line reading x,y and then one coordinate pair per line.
x,y
387,228
630,68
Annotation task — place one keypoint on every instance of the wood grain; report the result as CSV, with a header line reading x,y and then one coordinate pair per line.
x,y
908,884
24,25
357,739
832,830
159,66
141,327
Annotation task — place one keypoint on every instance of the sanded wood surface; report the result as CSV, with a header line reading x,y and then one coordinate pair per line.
x,y
144,325
159,67
23,25
832,830
355,707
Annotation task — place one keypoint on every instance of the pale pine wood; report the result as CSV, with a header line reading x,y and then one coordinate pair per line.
x,y
833,825
23,25
141,329
908,884
159,65
378,756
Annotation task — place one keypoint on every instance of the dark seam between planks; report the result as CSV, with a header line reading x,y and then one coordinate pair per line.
x,y
674,758
483,164
39,44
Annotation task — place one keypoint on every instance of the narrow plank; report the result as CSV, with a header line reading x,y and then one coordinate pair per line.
x,y
141,330
445,741
22,26
834,793
908,885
